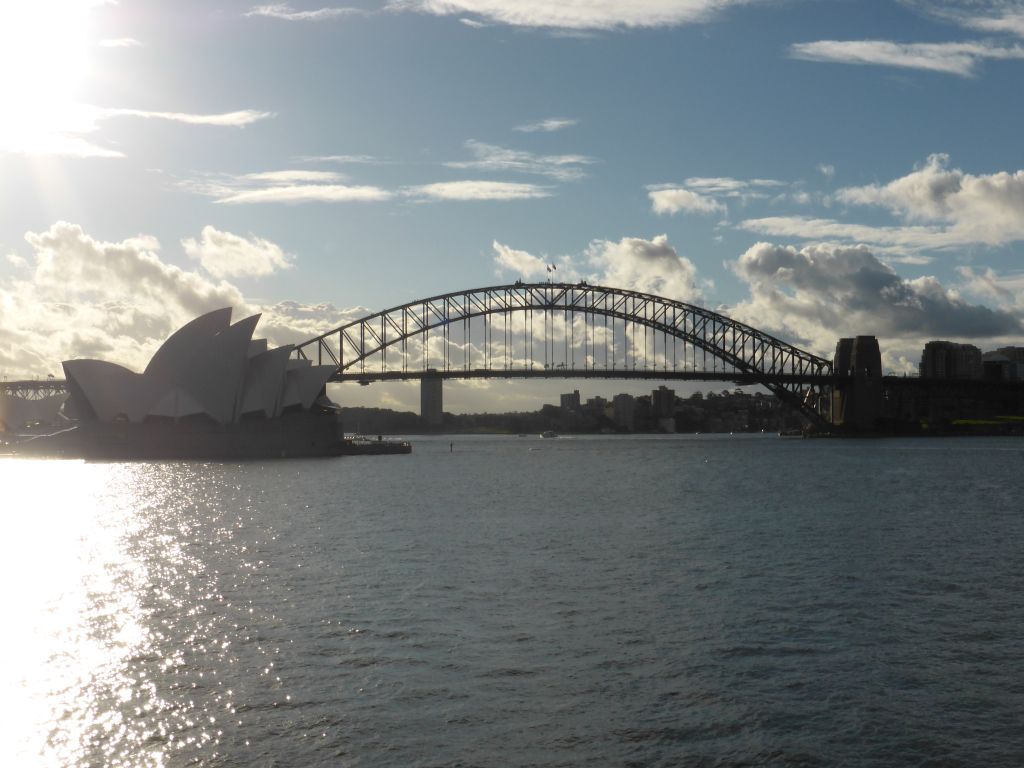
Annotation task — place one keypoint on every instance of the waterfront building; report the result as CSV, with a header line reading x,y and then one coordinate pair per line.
x,y
950,360
624,411
570,402
998,366
596,406
210,391
663,408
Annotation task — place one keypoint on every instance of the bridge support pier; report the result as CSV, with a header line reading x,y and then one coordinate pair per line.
x,y
857,402
431,400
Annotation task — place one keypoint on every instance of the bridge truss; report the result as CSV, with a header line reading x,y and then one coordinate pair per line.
x,y
562,330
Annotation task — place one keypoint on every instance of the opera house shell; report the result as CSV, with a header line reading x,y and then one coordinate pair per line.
x,y
211,390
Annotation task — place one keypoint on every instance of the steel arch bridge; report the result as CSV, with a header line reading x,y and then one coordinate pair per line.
x,y
563,330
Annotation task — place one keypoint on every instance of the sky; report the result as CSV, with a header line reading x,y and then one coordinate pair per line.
x,y
815,168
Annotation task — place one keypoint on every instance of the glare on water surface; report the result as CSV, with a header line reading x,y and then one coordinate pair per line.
x,y
73,620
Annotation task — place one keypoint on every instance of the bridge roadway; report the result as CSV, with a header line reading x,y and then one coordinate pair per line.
x,y
740,379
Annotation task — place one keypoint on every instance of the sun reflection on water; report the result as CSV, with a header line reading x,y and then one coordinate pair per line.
x,y
86,670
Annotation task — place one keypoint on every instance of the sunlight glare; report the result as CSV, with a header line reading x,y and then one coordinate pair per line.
x,y
44,60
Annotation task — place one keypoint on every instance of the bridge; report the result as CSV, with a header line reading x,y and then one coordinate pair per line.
x,y
568,330
556,330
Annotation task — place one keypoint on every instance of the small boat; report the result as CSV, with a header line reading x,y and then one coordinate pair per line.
x,y
360,445
547,433
791,432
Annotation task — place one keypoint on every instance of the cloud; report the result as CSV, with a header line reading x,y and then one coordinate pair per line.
x,y
290,186
478,190
236,119
223,254
61,128
497,159
699,194
118,301
986,208
828,171
1006,290
285,12
651,266
578,15
342,159
547,126
727,186
120,42
811,228
818,293
307,193
89,298
294,177
673,200
520,263
995,16
956,58
292,322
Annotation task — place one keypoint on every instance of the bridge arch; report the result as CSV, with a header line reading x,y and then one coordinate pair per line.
x,y
359,349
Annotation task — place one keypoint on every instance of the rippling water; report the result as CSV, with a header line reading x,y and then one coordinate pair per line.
x,y
592,601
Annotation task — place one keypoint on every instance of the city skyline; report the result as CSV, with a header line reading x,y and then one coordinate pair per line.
x,y
809,168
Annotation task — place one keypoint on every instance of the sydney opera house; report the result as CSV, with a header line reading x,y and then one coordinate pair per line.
x,y
210,391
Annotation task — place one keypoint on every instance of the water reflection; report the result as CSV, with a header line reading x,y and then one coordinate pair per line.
x,y
94,586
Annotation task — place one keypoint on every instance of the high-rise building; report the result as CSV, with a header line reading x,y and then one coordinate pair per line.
x,y
663,408
571,402
663,402
949,360
623,411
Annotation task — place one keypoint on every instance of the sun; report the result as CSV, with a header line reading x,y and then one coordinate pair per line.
x,y
44,61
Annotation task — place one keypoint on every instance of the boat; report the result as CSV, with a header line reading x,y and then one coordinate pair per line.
x,y
791,432
548,433
361,445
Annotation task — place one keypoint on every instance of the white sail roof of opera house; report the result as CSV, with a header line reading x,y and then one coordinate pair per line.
x,y
208,368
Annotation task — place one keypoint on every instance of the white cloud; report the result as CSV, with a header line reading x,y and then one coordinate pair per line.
x,y
223,254
1005,290
342,159
577,15
291,186
673,200
520,263
120,42
811,228
285,12
89,298
478,190
995,16
1012,23
986,208
818,293
651,266
727,186
61,128
497,159
957,58
828,171
473,24
700,194
236,119
306,193
294,177
119,301
547,126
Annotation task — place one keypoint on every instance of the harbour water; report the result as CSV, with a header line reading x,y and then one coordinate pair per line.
x,y
592,601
